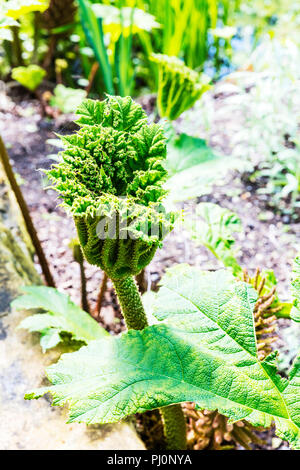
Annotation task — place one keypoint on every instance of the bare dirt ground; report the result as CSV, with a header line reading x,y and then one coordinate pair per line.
x,y
269,243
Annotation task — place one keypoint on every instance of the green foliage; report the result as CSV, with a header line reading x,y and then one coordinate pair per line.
x,y
110,179
186,27
214,230
295,312
63,320
30,77
179,87
193,166
119,25
184,151
268,137
67,99
203,349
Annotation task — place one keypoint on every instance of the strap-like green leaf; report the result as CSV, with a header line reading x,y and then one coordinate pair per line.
x,y
63,317
204,351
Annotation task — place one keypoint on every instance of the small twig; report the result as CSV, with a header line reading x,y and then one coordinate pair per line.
x,y
26,215
101,295
92,75
78,257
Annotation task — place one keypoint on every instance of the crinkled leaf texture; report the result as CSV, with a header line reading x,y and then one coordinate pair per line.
x,y
295,312
110,178
203,349
63,316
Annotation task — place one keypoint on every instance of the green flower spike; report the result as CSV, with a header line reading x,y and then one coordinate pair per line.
x,y
110,179
179,86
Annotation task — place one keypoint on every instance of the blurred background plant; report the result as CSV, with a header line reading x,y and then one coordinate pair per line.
x,y
118,35
260,112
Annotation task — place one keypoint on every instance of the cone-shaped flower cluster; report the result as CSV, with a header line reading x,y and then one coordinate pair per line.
x,y
110,179
179,86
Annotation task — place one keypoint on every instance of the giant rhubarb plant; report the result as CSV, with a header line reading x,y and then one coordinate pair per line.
x,y
201,346
111,181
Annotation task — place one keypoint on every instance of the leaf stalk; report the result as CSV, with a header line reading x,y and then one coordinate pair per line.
x,y
135,318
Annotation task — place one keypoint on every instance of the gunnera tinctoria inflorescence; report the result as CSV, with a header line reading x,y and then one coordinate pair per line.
x,y
110,178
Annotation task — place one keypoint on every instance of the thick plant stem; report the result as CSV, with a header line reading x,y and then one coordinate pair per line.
x,y
135,318
26,215
131,303
174,427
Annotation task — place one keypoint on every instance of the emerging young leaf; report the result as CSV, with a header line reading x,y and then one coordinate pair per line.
x,y
214,230
62,317
179,86
30,77
295,312
203,349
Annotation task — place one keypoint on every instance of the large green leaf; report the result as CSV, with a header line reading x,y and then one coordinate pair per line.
x,y
295,312
213,227
202,350
62,317
193,166
185,151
